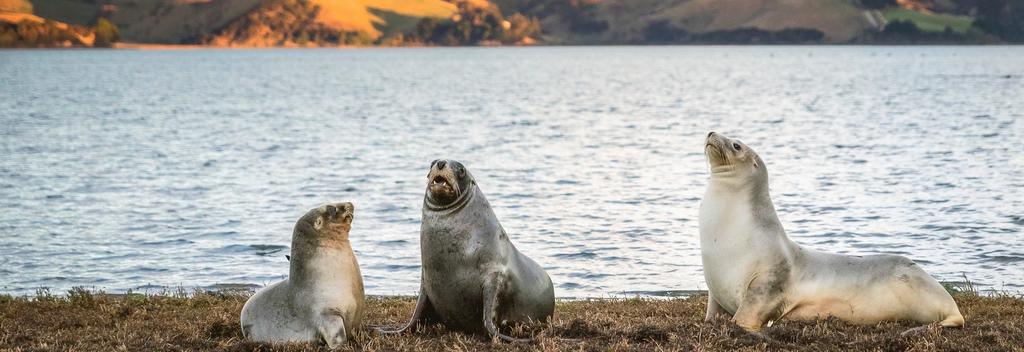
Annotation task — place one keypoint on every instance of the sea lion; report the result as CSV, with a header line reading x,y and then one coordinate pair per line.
x,y
322,298
473,278
757,275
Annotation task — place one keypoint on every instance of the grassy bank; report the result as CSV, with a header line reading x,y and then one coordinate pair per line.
x,y
209,322
929,22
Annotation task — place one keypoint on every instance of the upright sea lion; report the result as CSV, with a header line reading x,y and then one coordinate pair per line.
x,y
756,274
473,278
322,298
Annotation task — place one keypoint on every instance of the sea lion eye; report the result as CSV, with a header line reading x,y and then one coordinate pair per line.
x,y
736,146
462,172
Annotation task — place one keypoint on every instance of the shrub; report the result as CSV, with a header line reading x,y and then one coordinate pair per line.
x,y
106,33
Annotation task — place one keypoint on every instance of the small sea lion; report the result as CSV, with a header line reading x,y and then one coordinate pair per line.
x,y
322,298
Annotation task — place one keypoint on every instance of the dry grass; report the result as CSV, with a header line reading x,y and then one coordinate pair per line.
x,y
358,15
209,322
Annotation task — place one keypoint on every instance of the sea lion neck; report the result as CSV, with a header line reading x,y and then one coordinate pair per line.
x,y
305,247
748,187
737,178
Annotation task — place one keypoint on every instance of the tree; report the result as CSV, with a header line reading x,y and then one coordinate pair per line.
x,y
106,33
8,36
878,4
522,27
1001,18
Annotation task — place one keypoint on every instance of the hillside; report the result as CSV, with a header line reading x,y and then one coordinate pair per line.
x,y
19,27
376,17
150,21
628,21
187,21
481,22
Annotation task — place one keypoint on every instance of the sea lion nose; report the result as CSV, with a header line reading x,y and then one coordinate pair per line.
x,y
710,133
440,165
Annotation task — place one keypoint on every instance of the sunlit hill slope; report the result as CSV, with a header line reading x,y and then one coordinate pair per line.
x,y
260,23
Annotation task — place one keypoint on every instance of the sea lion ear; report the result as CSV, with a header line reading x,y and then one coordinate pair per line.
x,y
319,223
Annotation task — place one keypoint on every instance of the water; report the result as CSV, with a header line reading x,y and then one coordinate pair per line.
x,y
146,169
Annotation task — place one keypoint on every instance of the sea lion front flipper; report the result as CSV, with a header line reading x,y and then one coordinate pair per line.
x,y
331,328
493,287
714,309
423,313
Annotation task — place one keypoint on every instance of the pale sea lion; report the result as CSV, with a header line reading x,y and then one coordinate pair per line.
x,y
473,278
757,275
322,298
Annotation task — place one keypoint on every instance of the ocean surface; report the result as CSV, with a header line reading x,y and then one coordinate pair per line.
x,y
143,170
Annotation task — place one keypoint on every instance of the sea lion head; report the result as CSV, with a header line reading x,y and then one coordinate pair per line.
x,y
447,182
732,159
326,222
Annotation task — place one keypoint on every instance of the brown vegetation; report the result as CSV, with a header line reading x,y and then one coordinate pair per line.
x,y
209,322
473,24
23,30
284,23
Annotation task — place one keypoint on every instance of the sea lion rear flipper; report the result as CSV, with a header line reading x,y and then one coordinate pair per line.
x,y
331,328
423,313
493,287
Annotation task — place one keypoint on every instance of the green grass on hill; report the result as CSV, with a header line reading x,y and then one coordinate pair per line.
x,y
929,22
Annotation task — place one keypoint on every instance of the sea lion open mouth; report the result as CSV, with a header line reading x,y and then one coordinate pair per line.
x,y
442,188
440,181
448,183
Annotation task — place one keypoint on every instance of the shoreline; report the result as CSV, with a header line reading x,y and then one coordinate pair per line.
x,y
954,288
184,47
208,321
